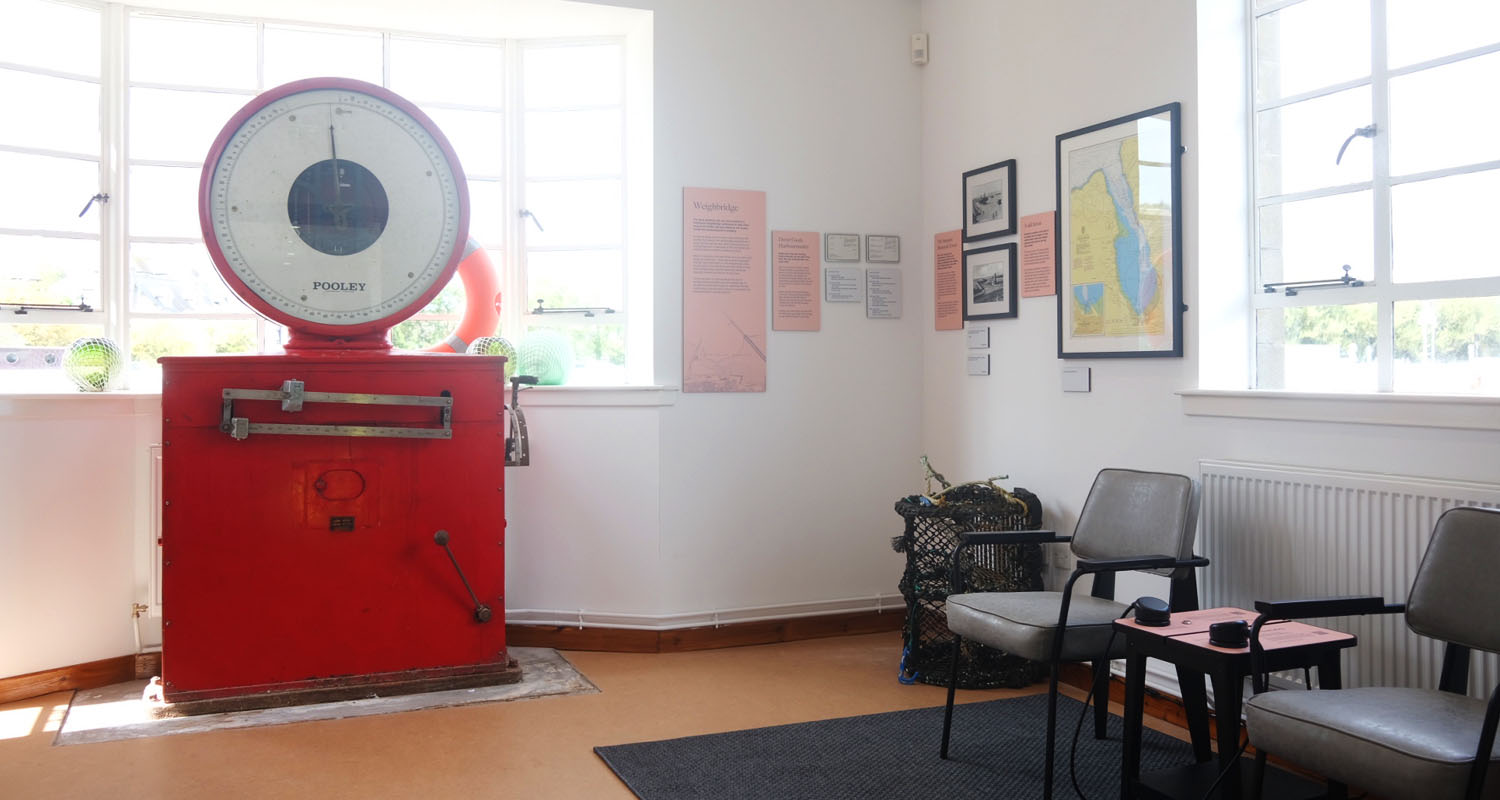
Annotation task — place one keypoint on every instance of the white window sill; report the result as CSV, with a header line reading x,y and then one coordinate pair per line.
x,y
617,396
1415,410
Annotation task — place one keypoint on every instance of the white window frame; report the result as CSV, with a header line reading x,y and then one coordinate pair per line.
x,y
635,247
1381,290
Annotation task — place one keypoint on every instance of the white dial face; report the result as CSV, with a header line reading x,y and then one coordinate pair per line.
x,y
335,207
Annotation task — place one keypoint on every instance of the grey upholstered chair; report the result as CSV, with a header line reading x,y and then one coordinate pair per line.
x,y
1399,742
1131,521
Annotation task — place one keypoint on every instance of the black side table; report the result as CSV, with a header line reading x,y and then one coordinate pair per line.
x,y
1184,643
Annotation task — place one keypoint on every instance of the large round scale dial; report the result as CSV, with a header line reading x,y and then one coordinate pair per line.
x,y
334,207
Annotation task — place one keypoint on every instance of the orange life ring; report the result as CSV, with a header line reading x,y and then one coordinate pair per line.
x,y
481,303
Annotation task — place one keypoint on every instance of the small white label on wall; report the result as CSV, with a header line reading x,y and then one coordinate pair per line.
x,y
883,293
979,337
1077,379
979,365
844,284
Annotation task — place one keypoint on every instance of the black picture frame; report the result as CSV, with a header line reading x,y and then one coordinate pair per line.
x,y
1106,309
989,282
989,201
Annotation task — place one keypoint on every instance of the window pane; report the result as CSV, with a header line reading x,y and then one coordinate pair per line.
x,y
192,52
169,125
427,71
1310,45
574,213
31,355
1445,346
45,193
178,278
598,352
487,215
164,201
44,336
71,121
1316,348
46,269
588,75
1443,117
562,144
54,36
1297,145
151,339
1444,229
1424,29
575,279
435,323
478,139
1313,239
293,53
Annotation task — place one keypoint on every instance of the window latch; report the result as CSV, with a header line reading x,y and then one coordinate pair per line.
x,y
102,197
1367,132
1290,288
526,212
588,311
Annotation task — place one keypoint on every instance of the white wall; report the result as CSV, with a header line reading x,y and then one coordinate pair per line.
x,y
72,473
1005,79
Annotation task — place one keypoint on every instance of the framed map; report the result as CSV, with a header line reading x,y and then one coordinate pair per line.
x,y
1119,239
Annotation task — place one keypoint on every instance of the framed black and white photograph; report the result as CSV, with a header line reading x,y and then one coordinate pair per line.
x,y
1119,237
990,282
990,201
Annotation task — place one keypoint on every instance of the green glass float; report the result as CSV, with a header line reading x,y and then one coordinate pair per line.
x,y
546,354
94,363
496,346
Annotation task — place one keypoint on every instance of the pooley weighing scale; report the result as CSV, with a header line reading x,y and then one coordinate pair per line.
x,y
333,521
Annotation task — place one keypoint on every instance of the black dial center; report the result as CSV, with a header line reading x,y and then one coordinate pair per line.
x,y
338,207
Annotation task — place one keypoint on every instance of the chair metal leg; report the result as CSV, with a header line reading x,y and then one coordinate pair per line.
x,y
1101,697
1258,777
952,687
1051,730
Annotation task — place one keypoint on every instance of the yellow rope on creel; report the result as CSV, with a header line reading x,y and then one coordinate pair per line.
x,y
937,497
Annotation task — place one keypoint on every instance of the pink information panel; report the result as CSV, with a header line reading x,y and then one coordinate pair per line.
x,y
947,295
795,265
1038,267
723,290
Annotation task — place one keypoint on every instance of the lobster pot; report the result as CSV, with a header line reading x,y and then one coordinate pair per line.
x,y
929,539
303,495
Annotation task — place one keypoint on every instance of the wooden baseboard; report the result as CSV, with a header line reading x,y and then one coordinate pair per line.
x,y
734,634
135,667
78,676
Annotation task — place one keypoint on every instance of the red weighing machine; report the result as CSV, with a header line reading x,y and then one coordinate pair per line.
x,y
334,517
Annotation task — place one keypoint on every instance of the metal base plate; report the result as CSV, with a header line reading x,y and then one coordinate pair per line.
x,y
345,689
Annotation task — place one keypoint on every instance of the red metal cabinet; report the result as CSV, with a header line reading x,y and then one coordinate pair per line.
x,y
304,566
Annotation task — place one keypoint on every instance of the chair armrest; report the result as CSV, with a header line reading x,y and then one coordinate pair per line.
x,y
1086,565
967,538
1271,610
1326,607
1011,537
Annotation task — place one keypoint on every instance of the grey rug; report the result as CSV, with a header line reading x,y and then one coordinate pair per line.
x,y
995,752
117,712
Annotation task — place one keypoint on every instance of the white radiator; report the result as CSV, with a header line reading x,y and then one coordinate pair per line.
x,y
1278,533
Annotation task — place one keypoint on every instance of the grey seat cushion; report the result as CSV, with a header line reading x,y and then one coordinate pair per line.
x,y
1393,742
1023,623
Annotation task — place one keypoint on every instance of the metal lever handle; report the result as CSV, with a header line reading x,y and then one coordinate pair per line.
x,y
481,611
